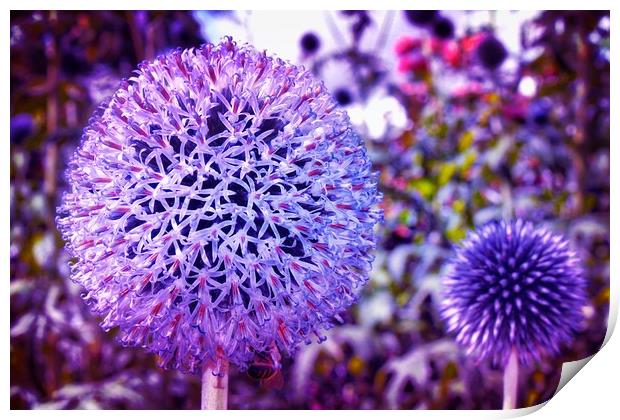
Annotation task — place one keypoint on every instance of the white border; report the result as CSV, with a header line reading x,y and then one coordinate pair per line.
x,y
593,394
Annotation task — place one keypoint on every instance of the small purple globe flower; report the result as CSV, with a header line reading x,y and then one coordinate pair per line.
x,y
513,287
220,206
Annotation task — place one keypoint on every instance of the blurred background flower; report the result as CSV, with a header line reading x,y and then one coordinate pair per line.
x,y
468,116
513,287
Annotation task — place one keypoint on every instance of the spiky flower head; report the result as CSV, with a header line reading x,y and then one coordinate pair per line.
x,y
512,285
220,205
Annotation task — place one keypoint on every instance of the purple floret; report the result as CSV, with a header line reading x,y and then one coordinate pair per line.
x,y
220,205
512,285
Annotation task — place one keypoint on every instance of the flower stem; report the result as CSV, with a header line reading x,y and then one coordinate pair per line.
x,y
214,394
511,381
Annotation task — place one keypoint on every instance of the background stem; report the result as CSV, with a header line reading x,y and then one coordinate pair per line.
x,y
214,394
511,381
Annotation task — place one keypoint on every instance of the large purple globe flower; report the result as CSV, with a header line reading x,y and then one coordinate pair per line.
x,y
512,286
220,206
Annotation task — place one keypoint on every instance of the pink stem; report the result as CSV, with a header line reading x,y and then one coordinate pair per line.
x,y
511,381
214,394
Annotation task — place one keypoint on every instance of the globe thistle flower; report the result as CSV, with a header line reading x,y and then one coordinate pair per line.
x,y
513,287
343,96
420,17
443,28
220,205
491,52
310,43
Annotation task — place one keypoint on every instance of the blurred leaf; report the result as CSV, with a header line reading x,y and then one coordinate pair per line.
x,y
446,171
465,141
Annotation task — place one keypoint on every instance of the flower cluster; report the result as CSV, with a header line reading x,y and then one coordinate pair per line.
x,y
482,50
510,286
220,205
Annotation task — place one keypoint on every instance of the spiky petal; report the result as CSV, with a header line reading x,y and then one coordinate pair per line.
x,y
513,285
220,205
